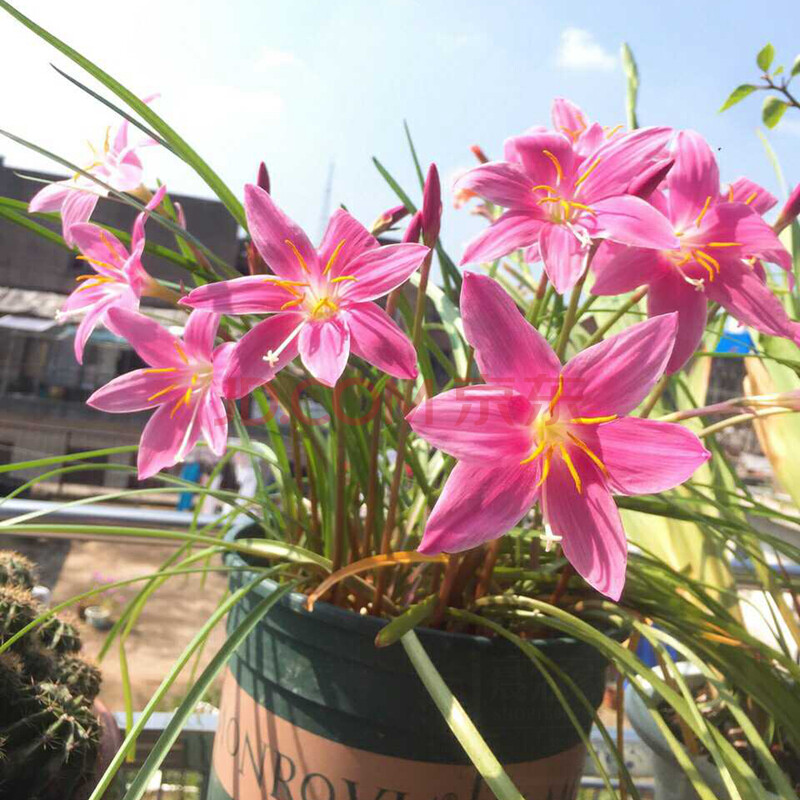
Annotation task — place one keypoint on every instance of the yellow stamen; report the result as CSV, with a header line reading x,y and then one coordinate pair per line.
x,y
326,301
592,420
292,303
730,194
188,396
586,449
610,133
154,370
194,379
571,467
548,200
581,206
333,257
93,281
565,206
162,392
545,467
105,264
723,244
703,212
751,198
586,174
177,405
297,255
109,246
705,257
557,395
540,186
535,454
181,352
344,278
106,145
556,164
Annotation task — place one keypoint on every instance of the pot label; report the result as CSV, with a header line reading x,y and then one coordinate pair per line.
x,y
260,756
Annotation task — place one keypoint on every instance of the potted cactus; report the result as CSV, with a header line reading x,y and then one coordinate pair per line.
x,y
50,729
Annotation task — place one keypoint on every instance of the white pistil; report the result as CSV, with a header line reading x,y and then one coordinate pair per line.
x,y
550,539
272,356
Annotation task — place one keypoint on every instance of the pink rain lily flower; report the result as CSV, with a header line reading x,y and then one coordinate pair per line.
x,y
116,163
119,280
320,300
559,200
719,239
182,382
540,432
586,137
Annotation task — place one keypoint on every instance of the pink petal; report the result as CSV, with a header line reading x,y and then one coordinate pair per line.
x,y
168,437
94,315
50,198
380,270
593,538
271,229
479,424
477,504
431,206
137,234
693,178
247,368
540,168
501,183
508,350
619,269
78,207
213,420
199,334
155,345
741,291
253,294
736,222
563,255
631,220
671,293
133,390
220,360
107,253
324,348
357,240
376,337
615,375
512,230
644,456
650,180
619,161
568,118
743,190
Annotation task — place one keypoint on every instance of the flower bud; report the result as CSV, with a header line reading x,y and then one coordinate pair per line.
x,y
389,218
263,177
644,184
414,229
431,207
477,151
790,210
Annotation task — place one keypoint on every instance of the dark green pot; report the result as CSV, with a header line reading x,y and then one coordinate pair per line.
x,y
311,709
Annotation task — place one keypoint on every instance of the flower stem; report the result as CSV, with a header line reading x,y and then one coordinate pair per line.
x,y
570,318
740,418
655,396
534,312
161,292
604,329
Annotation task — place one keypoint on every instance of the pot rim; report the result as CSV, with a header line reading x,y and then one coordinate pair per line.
x,y
344,618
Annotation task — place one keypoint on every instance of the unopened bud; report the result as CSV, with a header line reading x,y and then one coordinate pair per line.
x,y
477,151
414,229
263,177
790,210
431,207
388,219
255,264
650,179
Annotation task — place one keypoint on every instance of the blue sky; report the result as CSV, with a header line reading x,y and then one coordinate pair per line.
x,y
303,84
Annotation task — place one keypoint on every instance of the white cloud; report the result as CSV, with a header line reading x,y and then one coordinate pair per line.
x,y
271,58
578,50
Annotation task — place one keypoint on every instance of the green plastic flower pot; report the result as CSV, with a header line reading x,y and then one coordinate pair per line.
x,y
312,710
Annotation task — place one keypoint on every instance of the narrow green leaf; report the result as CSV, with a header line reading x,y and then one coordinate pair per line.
x,y
632,90
765,56
198,691
407,621
462,726
738,94
773,110
795,67
177,144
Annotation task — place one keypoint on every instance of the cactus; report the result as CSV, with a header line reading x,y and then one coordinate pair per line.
x,y
16,570
49,733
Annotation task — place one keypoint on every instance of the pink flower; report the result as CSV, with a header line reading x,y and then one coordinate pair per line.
x,y
431,207
558,200
323,299
182,382
115,163
790,210
710,263
537,431
119,278
586,137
